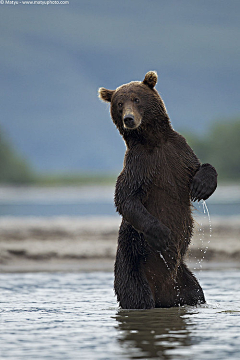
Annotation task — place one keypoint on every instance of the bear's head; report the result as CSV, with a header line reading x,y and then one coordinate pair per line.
x,y
137,107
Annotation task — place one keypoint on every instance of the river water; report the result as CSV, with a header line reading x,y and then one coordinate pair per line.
x,y
91,200
75,316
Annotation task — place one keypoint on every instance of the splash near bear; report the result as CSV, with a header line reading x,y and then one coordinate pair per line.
x,y
160,178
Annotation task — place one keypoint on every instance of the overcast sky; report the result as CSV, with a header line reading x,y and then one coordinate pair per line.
x,y
54,58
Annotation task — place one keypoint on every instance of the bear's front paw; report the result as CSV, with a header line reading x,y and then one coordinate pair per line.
x,y
158,237
204,183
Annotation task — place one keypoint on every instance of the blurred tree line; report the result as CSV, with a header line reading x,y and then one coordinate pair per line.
x,y
220,147
14,169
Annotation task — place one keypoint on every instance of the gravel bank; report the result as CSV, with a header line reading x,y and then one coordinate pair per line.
x,y
89,243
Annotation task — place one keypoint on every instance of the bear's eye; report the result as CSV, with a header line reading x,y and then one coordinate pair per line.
x,y
120,104
136,100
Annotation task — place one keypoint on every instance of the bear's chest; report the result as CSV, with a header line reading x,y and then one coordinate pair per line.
x,y
173,172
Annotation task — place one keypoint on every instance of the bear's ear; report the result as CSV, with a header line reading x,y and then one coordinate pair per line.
x,y
105,94
150,79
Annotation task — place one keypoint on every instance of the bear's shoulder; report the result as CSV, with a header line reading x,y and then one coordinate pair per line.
x,y
177,150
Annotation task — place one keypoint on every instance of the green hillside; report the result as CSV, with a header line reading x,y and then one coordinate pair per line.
x,y
14,169
220,147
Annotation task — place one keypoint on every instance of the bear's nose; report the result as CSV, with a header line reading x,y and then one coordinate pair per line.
x,y
129,121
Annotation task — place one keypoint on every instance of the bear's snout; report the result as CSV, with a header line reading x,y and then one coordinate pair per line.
x,y
129,121
131,118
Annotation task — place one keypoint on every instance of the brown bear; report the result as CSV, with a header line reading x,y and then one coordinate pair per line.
x,y
160,177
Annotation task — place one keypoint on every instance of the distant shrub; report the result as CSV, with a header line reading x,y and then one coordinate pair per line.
x,y
13,168
221,147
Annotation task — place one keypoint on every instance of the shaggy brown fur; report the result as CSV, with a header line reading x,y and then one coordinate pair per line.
x,y
153,194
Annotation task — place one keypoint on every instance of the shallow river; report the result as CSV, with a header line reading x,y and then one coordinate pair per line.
x,y
75,316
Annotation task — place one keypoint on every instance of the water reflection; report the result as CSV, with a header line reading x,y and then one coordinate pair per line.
x,y
153,333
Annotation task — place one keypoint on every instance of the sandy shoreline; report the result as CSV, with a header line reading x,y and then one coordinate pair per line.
x,y
89,243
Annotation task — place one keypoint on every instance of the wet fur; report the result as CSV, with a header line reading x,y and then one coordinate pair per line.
x,y
153,194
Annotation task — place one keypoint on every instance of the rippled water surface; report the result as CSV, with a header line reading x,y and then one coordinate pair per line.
x,y
75,316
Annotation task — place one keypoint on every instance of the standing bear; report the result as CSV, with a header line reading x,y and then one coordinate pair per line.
x,y
160,177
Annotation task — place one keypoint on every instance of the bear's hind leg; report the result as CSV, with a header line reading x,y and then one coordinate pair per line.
x,y
133,291
190,291
130,284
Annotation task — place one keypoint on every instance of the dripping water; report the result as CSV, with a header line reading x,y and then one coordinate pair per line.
x,y
162,257
173,278
205,210
201,232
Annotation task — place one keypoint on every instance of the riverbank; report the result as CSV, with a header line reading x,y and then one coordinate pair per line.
x,y
89,243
